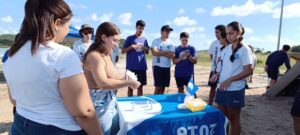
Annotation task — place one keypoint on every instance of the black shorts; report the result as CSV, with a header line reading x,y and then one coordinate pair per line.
x,y
295,110
141,76
181,81
161,76
209,83
273,72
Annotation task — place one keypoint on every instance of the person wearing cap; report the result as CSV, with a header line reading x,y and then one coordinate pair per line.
x,y
185,59
163,50
136,48
81,46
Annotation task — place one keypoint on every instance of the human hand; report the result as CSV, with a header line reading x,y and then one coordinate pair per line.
x,y
225,84
214,78
135,46
266,68
134,84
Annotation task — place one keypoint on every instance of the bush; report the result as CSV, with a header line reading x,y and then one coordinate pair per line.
x,y
295,48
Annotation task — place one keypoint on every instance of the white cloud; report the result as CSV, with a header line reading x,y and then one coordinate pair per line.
x,y
106,17
126,32
76,20
149,6
268,42
199,10
80,6
168,22
244,10
183,21
248,30
125,18
289,11
181,11
94,17
7,19
194,29
9,30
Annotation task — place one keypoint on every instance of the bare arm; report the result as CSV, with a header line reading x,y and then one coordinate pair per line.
x,y
176,60
155,52
169,54
97,67
246,72
75,93
146,49
125,50
192,59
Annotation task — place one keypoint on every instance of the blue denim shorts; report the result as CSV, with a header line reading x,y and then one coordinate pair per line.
x,y
105,104
235,99
24,126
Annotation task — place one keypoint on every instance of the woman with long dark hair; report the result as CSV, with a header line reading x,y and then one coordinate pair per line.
x,y
103,78
45,78
235,67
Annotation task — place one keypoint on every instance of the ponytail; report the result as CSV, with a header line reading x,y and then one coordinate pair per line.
x,y
236,26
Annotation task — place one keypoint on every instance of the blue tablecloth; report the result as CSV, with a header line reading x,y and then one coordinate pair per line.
x,y
173,121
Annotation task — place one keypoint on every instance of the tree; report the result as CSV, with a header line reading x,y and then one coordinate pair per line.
x,y
295,48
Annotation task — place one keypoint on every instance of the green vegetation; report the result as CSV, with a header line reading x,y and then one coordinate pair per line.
x,y
7,40
295,48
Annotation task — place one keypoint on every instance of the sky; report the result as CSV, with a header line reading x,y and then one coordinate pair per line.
x,y
259,18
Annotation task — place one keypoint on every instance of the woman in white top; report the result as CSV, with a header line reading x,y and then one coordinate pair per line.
x,y
103,78
224,42
46,79
235,67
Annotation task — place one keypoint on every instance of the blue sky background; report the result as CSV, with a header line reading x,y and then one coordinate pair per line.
x,y
260,18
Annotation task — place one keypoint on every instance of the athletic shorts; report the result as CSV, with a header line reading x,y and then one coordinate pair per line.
x,y
181,81
161,76
234,99
273,72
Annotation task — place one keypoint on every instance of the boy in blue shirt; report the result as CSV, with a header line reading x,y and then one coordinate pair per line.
x,y
136,48
274,61
185,58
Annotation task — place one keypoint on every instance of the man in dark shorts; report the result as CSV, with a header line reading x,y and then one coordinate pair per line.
x,y
163,50
274,61
185,58
137,48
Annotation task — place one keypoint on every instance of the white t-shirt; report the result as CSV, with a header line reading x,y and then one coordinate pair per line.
x,y
33,83
80,48
213,50
160,45
114,54
220,54
242,57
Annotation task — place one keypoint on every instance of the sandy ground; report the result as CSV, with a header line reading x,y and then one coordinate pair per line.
x,y
261,116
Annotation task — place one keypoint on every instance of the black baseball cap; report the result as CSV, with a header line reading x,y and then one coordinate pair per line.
x,y
166,27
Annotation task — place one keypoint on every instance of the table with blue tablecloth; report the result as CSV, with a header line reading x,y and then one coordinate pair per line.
x,y
159,115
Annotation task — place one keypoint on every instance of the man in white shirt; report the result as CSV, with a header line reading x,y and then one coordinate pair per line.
x,y
82,45
163,50
213,51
